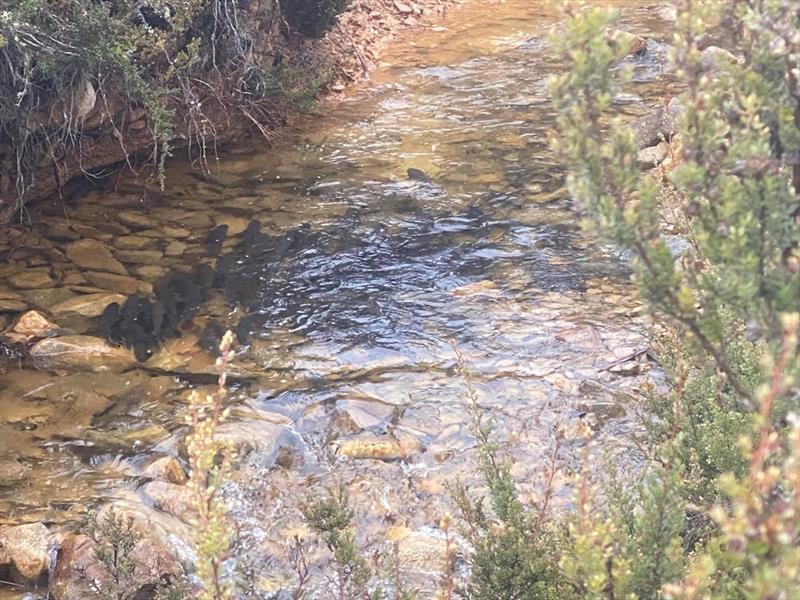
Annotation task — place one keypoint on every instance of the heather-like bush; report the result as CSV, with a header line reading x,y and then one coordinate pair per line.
x,y
715,512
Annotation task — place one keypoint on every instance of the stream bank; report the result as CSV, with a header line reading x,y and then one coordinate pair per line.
x,y
421,212
92,135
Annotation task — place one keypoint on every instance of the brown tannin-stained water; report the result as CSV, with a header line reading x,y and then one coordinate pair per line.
x,y
422,212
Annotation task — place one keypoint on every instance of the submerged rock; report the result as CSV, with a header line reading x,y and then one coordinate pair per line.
x,y
27,547
80,574
95,256
31,279
30,326
172,498
122,284
87,305
166,468
12,302
80,352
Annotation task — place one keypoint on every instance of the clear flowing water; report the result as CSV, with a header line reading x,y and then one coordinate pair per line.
x,y
352,375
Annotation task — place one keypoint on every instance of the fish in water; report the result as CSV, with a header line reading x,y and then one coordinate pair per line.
x,y
417,175
215,238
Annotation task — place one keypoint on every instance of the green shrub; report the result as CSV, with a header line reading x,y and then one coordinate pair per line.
x,y
331,517
713,514
730,304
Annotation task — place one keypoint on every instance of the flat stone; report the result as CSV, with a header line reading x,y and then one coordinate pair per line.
x,y
74,278
114,283
87,231
88,305
80,353
31,279
95,256
133,242
653,155
136,219
175,232
28,548
175,249
11,306
139,257
150,272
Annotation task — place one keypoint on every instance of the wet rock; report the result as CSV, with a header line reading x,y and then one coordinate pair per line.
x,y
270,440
121,284
88,305
147,257
215,238
653,155
150,272
30,326
28,548
31,279
136,220
174,499
79,573
167,469
11,302
12,472
626,43
80,352
380,446
175,249
417,175
178,233
657,126
603,411
424,550
94,256
714,57
133,242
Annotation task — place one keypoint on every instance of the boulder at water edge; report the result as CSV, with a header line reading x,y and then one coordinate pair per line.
x,y
27,549
80,353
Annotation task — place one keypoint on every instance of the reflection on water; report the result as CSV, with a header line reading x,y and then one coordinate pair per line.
x,y
424,211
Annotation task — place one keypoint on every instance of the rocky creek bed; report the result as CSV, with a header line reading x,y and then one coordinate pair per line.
x,y
421,218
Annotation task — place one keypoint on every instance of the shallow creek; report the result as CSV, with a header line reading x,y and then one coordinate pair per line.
x,y
352,377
